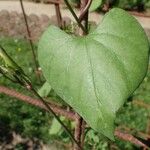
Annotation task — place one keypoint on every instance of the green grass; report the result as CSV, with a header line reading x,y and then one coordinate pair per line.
x,y
30,121
23,118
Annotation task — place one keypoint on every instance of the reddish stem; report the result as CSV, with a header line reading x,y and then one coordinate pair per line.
x,y
56,108
58,15
78,131
68,114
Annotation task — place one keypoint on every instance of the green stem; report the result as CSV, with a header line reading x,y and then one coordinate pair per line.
x,y
75,16
27,80
56,117
1,72
24,80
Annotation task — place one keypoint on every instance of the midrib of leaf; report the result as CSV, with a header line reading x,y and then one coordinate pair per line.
x,y
121,71
128,82
93,81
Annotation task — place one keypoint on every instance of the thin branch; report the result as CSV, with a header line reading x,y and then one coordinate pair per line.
x,y
47,107
30,87
130,138
124,136
85,10
29,34
148,130
83,133
138,133
58,14
53,1
78,131
22,79
75,16
35,102
50,110
79,127
84,20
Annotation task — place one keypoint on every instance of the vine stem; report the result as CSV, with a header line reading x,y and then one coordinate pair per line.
x,y
80,123
58,15
75,16
79,131
85,4
30,87
84,10
22,79
30,40
61,111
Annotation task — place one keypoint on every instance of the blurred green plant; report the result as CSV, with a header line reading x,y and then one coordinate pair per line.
x,y
139,5
21,117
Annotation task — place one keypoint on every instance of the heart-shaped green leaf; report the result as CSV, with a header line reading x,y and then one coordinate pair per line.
x,y
96,73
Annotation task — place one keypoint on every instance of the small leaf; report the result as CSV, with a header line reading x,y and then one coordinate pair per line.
x,y
95,74
55,127
44,90
95,4
6,60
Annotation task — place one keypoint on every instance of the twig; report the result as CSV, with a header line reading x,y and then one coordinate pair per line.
x,y
85,10
83,133
138,133
59,17
50,110
75,16
85,4
35,102
148,130
22,79
80,126
25,82
58,14
78,131
53,1
130,138
30,41
70,115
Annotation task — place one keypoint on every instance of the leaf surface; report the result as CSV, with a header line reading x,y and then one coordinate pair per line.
x,y
44,90
96,73
95,4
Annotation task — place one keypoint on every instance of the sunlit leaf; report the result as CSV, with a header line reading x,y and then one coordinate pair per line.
x,y
95,74
44,90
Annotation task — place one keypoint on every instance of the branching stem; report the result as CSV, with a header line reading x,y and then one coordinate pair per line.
x,y
75,16
30,40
